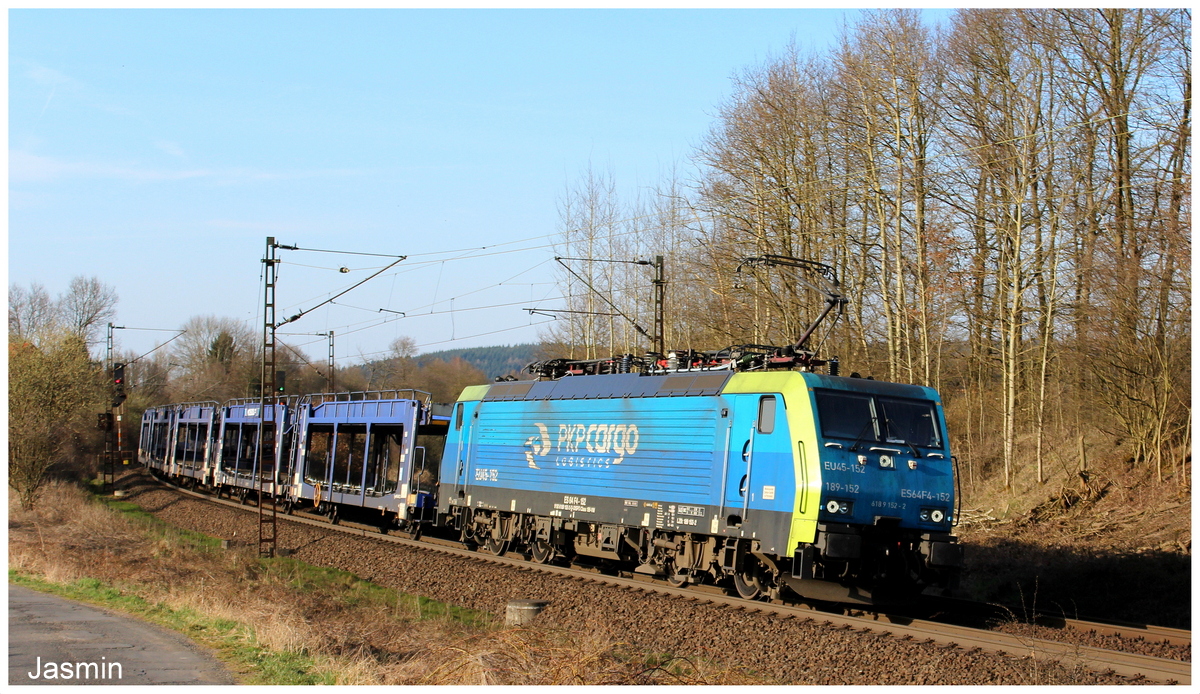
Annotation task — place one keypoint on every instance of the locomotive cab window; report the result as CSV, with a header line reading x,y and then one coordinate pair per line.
x,y
846,416
869,418
766,414
910,421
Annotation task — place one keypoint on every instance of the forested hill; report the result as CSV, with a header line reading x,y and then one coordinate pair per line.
x,y
493,361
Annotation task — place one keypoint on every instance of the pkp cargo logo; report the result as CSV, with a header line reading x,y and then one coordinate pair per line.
x,y
583,445
537,445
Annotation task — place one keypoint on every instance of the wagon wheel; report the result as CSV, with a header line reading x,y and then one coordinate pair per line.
x,y
541,552
496,547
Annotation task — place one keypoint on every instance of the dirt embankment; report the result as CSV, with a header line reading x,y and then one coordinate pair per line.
x,y
1101,547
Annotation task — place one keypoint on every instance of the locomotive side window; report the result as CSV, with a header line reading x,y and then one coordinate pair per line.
x,y
766,414
912,421
458,416
846,416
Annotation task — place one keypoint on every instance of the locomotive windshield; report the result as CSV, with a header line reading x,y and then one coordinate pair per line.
x,y
875,418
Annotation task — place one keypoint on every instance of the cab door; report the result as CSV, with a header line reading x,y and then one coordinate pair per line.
x,y
466,416
754,430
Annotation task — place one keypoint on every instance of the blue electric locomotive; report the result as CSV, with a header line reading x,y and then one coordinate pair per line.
x,y
835,488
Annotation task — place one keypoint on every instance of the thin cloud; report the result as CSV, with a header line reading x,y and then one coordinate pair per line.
x,y
171,148
49,76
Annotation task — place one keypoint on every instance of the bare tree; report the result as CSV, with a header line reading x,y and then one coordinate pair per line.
x,y
86,306
215,359
32,314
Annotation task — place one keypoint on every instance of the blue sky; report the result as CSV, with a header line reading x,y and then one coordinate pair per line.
x,y
156,149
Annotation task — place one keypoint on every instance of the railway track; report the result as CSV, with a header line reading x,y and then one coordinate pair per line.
x,y
1129,665
985,613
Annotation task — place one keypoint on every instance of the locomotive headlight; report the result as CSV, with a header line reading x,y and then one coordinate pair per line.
x,y
932,515
924,515
840,507
937,516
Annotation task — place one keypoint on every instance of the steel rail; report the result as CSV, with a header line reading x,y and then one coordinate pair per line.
x,y
988,612
1129,665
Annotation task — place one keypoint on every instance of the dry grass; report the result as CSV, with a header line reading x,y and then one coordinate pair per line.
x,y
348,631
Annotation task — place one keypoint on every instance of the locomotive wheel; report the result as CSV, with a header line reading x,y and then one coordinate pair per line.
x,y
541,552
747,586
747,581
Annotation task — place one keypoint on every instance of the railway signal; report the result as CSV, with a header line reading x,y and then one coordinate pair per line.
x,y
118,378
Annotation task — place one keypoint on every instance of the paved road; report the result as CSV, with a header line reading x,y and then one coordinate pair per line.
x,y
60,631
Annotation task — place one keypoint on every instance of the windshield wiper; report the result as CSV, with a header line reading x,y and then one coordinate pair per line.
x,y
887,436
861,434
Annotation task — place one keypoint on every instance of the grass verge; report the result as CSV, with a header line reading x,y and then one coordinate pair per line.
x,y
281,621
233,642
